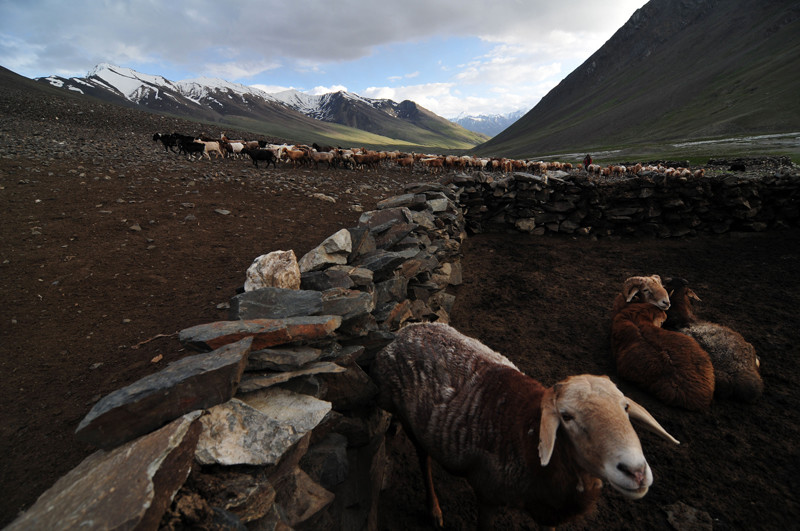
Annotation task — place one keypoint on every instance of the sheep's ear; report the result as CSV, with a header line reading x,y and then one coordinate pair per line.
x,y
548,425
692,295
635,411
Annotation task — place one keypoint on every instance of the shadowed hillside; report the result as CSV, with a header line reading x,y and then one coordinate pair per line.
x,y
677,70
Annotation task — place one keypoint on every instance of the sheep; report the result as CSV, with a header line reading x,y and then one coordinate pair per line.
x,y
736,365
190,147
406,161
434,164
232,148
327,157
370,160
261,154
211,147
470,409
670,365
297,157
170,141
642,289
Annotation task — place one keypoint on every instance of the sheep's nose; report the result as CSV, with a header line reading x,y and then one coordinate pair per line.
x,y
636,474
665,305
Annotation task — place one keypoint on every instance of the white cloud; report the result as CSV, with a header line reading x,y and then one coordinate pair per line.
x,y
272,89
532,43
317,91
239,70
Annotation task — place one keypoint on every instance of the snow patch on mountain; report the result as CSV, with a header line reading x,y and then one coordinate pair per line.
x,y
488,124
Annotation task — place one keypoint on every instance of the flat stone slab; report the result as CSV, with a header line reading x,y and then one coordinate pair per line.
x,y
127,488
287,359
265,332
274,303
194,382
255,381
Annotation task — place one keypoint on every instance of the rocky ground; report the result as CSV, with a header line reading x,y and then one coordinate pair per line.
x,y
110,245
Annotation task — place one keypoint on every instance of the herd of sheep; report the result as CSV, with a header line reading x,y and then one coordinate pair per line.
x,y
298,155
471,410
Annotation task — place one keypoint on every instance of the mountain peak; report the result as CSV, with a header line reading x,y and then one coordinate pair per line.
x,y
217,100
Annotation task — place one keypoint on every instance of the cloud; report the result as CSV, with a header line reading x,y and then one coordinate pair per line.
x,y
265,32
316,91
272,89
528,44
239,70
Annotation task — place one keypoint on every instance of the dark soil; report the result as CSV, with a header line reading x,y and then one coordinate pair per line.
x,y
544,302
110,245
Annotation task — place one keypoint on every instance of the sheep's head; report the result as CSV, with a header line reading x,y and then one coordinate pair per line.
x,y
679,287
595,415
646,289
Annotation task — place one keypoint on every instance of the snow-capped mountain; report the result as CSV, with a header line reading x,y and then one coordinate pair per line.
x,y
112,82
220,100
488,124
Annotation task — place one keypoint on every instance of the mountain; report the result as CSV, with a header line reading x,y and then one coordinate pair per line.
x,y
379,116
488,124
338,118
677,70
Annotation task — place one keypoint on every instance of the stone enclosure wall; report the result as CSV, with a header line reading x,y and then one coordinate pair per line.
x,y
273,423
650,204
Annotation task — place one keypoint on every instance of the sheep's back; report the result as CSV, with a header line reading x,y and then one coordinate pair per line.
x,y
734,360
670,365
445,388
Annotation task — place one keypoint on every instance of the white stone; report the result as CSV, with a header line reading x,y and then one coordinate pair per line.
x,y
259,431
278,269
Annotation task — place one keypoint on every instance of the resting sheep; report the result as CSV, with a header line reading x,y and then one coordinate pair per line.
x,y
470,409
736,366
670,365
642,289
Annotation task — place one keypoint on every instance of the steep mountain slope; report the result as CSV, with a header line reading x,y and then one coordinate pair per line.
x,y
341,118
677,70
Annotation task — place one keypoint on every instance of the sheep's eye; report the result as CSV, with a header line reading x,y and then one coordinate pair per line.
x,y
566,417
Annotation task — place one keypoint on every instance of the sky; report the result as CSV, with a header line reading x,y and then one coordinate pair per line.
x,y
455,58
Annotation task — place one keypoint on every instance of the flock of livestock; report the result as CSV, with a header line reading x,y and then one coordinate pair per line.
x,y
470,409
298,155
547,451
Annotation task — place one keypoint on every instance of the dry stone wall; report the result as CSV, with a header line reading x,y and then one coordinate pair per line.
x,y
648,204
273,423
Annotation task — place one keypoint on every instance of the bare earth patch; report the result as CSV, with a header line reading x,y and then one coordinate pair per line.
x,y
109,245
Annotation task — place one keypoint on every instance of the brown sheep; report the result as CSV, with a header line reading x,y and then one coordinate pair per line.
x,y
642,289
736,365
670,365
470,409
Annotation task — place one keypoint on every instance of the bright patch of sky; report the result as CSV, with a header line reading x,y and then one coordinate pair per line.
x,y
453,57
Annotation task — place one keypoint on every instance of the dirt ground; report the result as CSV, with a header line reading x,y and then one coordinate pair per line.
x,y
109,245
544,303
